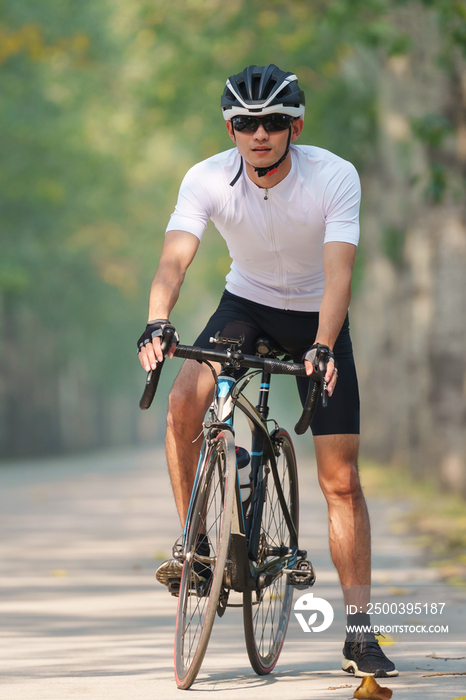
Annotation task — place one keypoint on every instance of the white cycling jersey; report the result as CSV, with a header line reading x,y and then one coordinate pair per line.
x,y
275,236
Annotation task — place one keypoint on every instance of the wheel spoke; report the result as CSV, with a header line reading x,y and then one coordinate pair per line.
x,y
265,623
201,583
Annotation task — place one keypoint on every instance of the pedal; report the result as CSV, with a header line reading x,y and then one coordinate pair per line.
x,y
174,587
302,575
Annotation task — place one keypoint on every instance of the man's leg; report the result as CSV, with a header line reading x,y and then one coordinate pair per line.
x,y
349,526
189,400
350,547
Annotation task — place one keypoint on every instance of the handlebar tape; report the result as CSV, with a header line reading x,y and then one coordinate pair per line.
x,y
250,361
314,390
153,376
309,408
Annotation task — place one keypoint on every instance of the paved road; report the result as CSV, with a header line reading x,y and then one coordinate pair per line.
x,y
82,616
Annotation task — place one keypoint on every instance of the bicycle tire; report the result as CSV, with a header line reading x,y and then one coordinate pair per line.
x,y
212,512
266,613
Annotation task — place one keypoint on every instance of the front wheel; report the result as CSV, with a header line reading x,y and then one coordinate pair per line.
x,y
266,612
203,571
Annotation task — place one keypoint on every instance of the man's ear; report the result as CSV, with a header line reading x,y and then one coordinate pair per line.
x,y
231,131
296,129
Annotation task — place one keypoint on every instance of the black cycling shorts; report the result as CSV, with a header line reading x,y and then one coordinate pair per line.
x,y
295,332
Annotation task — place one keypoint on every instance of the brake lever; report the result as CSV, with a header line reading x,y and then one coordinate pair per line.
x,y
324,394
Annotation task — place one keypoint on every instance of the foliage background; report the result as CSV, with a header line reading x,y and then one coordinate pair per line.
x,y
104,107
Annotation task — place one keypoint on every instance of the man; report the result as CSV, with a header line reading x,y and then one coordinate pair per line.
x,y
289,215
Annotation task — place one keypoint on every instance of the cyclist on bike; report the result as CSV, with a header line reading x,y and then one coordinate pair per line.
x,y
290,217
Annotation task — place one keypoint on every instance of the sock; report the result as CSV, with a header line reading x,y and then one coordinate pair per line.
x,y
203,546
358,619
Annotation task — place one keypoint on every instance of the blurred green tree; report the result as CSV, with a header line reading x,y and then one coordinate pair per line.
x,y
104,108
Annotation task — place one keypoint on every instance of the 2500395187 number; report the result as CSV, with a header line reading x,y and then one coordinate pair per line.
x,y
405,608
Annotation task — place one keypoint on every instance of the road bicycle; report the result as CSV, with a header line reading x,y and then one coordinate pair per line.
x,y
241,532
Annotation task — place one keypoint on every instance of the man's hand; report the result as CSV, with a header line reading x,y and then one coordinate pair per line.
x,y
150,343
331,373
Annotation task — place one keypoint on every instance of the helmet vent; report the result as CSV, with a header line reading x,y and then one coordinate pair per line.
x,y
255,88
242,90
283,93
270,87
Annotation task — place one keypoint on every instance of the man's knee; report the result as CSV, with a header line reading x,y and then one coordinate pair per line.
x,y
177,403
342,483
183,407
189,398
179,399
337,460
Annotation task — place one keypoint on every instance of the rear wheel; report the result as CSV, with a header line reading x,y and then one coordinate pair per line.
x,y
202,575
266,612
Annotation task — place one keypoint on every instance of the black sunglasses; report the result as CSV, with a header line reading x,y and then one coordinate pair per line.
x,y
272,122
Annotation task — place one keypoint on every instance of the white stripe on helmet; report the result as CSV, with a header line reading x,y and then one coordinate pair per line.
x,y
230,112
284,83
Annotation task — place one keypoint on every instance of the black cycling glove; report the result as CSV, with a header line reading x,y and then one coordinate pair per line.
x,y
320,355
158,328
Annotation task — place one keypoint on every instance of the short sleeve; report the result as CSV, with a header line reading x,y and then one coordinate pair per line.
x,y
193,208
342,200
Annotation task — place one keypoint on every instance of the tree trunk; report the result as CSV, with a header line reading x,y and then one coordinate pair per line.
x,y
410,319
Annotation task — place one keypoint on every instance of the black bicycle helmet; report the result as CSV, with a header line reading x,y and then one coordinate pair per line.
x,y
262,90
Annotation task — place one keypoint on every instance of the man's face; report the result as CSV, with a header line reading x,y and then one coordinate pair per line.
x,y
263,148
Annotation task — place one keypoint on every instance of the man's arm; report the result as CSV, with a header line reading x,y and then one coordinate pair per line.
x,y
338,259
178,252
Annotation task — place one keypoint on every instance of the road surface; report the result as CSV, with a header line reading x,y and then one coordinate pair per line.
x,y
83,617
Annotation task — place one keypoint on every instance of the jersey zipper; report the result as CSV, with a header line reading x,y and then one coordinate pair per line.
x,y
274,246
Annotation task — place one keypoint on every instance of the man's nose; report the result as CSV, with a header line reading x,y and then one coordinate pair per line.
x,y
261,133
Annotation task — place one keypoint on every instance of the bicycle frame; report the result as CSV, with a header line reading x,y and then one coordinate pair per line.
x,y
241,571
252,547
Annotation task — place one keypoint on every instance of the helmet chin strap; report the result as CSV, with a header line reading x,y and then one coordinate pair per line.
x,y
261,172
